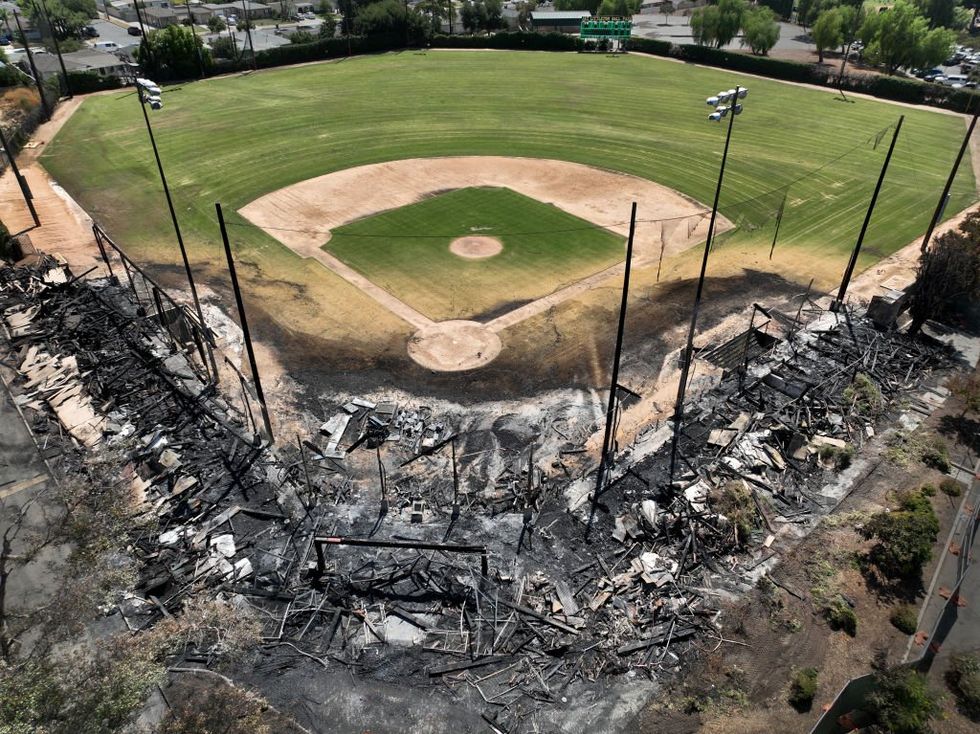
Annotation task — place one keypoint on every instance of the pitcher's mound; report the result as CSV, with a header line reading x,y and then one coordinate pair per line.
x,y
454,346
476,248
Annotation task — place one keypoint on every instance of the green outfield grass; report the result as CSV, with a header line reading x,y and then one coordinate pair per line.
x,y
406,251
234,139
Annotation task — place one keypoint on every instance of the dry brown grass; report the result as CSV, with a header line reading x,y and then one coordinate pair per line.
x,y
24,99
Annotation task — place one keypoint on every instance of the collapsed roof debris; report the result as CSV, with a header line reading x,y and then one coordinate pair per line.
x,y
393,543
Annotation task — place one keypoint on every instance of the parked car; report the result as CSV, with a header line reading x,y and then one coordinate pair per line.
x,y
4,41
134,31
90,32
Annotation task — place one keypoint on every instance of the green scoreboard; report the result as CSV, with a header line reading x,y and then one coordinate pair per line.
x,y
613,27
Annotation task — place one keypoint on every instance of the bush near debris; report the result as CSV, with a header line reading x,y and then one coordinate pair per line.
x,y
951,488
905,537
803,688
902,703
963,678
841,617
904,617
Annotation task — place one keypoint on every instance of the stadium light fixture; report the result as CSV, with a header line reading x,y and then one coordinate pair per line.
x,y
149,94
720,102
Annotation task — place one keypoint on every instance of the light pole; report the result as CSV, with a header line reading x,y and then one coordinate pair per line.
x,y
38,80
722,109
148,93
57,47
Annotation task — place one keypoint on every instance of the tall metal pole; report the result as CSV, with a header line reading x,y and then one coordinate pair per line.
x,y
200,55
614,382
21,181
57,47
849,271
173,218
689,349
244,322
248,32
38,80
941,205
144,40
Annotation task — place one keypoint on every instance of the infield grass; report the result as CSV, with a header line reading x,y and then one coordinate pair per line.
x,y
236,138
406,251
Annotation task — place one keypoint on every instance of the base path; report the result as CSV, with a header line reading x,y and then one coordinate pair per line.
x,y
302,217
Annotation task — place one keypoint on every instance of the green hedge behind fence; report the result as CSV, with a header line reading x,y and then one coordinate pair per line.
x,y
900,89
83,82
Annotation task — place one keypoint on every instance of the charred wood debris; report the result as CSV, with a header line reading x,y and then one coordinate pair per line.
x,y
409,567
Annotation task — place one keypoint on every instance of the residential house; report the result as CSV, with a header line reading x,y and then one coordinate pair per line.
x,y
161,17
87,60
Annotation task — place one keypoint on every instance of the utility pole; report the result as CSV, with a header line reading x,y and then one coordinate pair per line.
x,y
944,197
244,322
57,48
849,270
605,458
688,355
38,80
248,32
173,218
145,40
21,181
200,56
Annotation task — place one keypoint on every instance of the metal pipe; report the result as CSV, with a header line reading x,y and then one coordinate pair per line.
x,y
941,205
57,48
38,79
849,270
689,349
180,239
244,322
614,382
21,181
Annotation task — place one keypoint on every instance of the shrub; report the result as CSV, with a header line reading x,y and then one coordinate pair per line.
x,y
928,490
950,487
904,617
734,501
841,458
83,82
935,453
841,617
905,537
803,688
963,678
864,396
902,702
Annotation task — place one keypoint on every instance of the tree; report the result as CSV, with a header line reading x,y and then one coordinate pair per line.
x,y
760,31
494,14
904,538
939,13
731,13
827,32
967,388
948,279
298,37
68,17
808,11
704,25
467,16
782,8
619,7
224,47
851,19
328,28
216,24
902,703
172,53
591,5
667,7
524,10
900,36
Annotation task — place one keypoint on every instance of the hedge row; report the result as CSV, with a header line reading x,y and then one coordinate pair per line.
x,y
83,82
900,89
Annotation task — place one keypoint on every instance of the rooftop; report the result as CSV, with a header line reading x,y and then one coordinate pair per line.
x,y
561,15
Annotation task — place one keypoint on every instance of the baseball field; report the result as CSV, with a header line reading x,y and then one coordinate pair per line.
x,y
244,140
